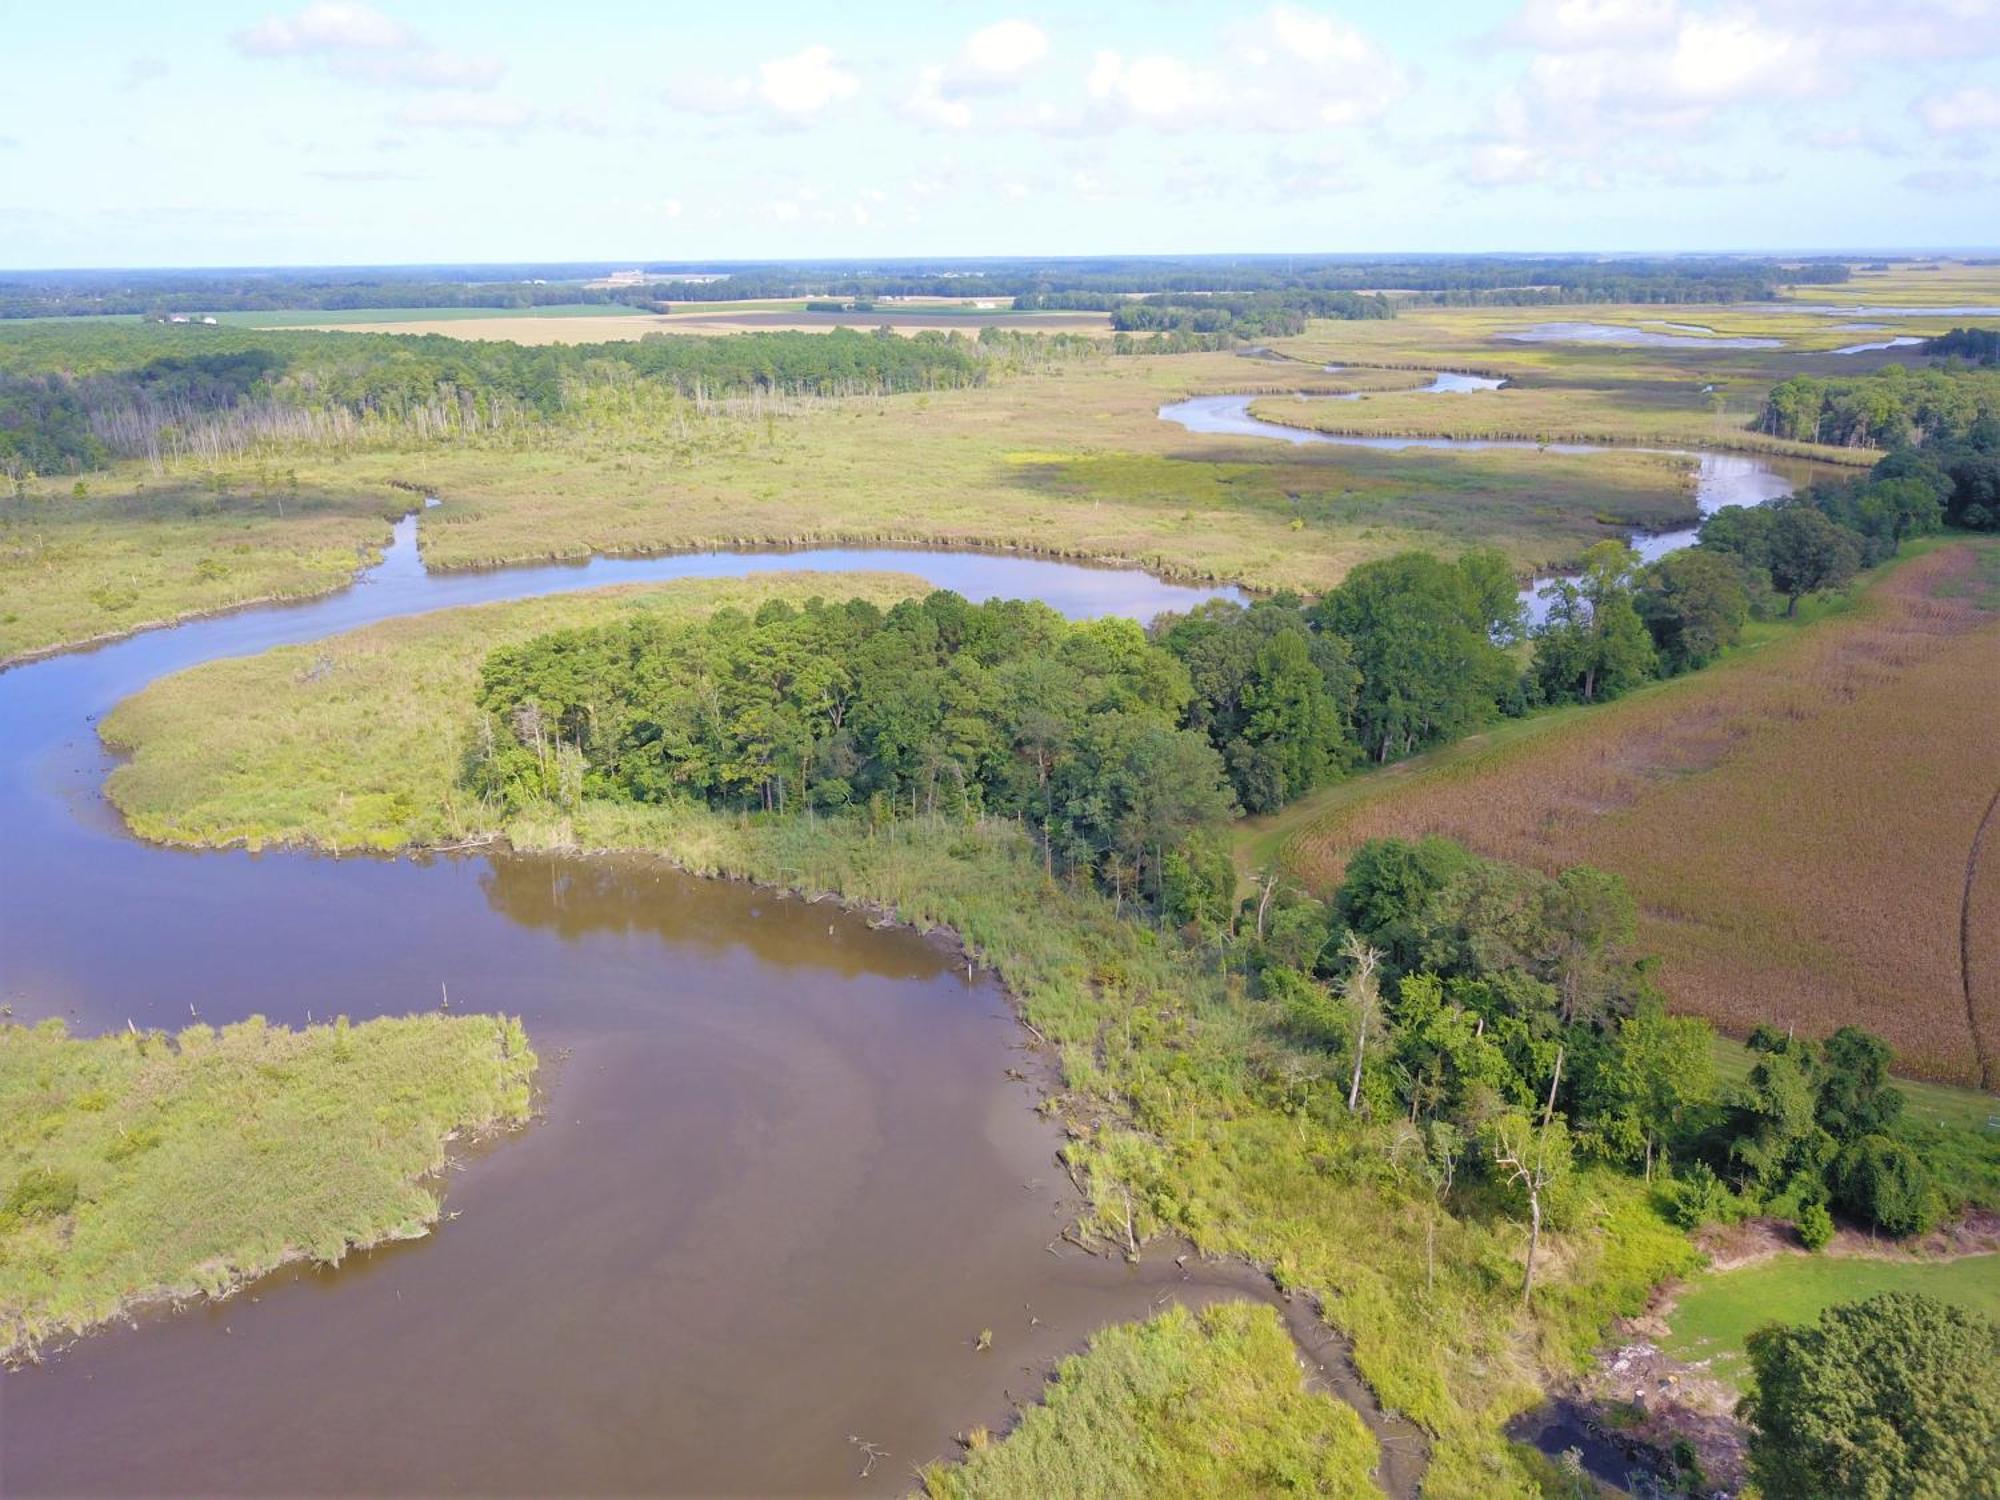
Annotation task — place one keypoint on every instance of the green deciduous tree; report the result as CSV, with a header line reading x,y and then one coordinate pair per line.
x,y
1894,1398
1809,553
1421,631
1694,604
1593,644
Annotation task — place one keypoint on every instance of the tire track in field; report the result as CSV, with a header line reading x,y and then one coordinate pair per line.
x,y
1979,1049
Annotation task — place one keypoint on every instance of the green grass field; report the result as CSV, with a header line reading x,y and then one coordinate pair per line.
x,y
139,1166
1719,1311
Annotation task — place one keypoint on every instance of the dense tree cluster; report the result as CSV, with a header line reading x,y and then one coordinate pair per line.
x,y
1045,281
1274,694
1891,407
935,706
41,294
1979,346
1254,315
45,427
1821,537
1963,474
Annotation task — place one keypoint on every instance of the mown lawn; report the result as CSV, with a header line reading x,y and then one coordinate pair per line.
x,y
1719,1311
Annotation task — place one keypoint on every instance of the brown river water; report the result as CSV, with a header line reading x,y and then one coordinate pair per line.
x,y
781,1182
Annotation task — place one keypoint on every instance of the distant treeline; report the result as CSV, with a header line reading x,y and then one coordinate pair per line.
x,y
1248,315
1661,282
278,292
71,399
1503,279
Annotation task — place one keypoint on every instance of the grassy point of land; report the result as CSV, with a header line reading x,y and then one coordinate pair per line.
x,y
137,550
358,741
1186,1404
142,1166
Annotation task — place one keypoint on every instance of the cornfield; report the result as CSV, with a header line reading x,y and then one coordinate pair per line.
x,y
1801,827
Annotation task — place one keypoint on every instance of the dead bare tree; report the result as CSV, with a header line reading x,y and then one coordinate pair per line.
x,y
1363,990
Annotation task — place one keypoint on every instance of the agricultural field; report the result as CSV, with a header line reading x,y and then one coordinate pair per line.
x,y
388,319
1798,825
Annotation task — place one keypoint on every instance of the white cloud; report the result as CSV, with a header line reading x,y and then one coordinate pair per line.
x,y
328,26
1290,69
929,104
993,60
1852,138
1572,25
1154,90
1866,31
1615,88
1951,181
468,112
999,55
790,89
141,71
1969,109
1498,164
360,42
361,174
805,82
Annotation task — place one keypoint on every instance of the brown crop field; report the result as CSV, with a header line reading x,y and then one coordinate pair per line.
x,y
1800,824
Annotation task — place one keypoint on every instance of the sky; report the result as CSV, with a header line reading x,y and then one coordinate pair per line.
x,y
234,132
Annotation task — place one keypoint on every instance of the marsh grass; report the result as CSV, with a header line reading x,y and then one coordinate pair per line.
x,y
632,471
142,1166
138,551
1205,1404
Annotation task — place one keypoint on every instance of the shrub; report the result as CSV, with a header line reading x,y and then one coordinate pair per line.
x,y
1701,1197
1882,1182
40,1193
1815,1226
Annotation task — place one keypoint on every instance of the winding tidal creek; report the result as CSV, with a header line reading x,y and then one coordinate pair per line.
x,y
782,1182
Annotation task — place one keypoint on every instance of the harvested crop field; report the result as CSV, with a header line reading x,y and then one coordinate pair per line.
x,y
1798,824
